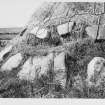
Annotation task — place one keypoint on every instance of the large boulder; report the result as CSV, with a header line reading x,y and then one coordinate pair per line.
x,y
92,31
65,28
40,33
95,71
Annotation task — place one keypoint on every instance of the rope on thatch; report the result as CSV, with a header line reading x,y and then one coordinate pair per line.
x,y
99,20
23,31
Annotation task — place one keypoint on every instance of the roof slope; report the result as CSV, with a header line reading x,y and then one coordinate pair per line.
x,y
59,12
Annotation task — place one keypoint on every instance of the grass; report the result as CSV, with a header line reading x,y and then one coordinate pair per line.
x,y
80,54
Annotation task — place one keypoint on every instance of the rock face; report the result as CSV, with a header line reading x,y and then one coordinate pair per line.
x,y
95,71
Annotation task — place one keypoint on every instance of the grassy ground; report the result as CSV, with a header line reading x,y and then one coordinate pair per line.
x,y
81,53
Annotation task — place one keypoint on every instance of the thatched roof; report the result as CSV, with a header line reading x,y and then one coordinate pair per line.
x,y
54,13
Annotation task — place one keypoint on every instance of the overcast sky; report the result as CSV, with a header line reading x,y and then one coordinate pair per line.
x,y
15,13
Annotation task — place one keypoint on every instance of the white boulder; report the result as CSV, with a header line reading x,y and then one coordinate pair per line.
x,y
12,62
95,71
5,51
65,28
92,31
40,33
34,30
35,66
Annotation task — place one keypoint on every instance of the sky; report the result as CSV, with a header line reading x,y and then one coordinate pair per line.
x,y
16,13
